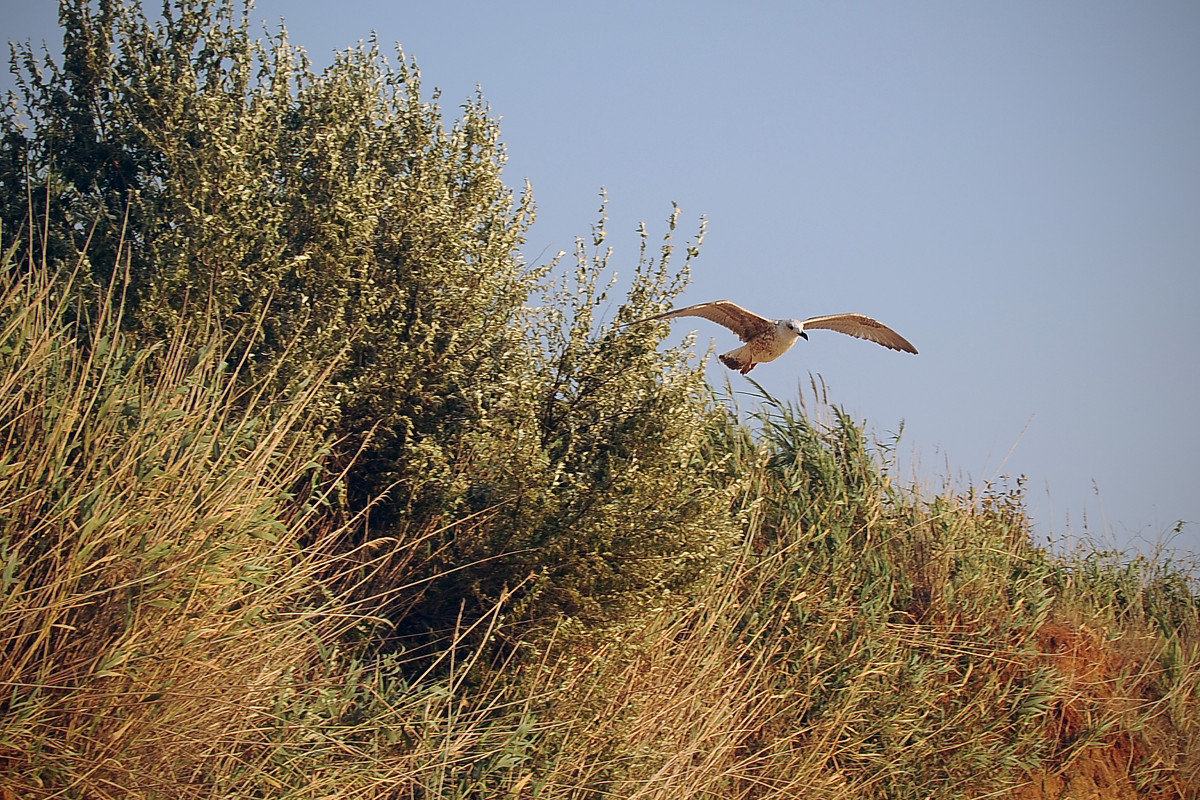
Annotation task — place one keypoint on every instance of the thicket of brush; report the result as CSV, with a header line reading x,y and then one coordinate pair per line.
x,y
309,487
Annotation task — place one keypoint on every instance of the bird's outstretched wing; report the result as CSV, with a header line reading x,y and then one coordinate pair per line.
x,y
746,324
861,327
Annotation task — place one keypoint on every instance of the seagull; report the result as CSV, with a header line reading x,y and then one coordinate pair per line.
x,y
767,339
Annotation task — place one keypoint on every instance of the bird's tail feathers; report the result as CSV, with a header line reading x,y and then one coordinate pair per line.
x,y
736,362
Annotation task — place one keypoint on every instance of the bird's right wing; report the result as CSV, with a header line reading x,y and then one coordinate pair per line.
x,y
862,327
746,324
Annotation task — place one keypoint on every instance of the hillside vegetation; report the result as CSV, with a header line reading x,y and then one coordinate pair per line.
x,y
312,488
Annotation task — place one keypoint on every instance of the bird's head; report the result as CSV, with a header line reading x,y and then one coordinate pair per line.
x,y
791,328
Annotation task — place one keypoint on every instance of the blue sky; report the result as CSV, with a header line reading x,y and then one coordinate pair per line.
x,y
1015,187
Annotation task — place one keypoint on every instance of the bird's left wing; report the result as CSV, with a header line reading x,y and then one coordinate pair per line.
x,y
861,327
746,324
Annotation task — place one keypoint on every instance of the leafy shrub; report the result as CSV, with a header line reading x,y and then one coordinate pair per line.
x,y
333,224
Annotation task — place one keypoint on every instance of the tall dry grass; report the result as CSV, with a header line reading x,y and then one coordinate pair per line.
x,y
867,642
155,588
175,616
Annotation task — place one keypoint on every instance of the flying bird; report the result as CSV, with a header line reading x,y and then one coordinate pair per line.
x,y
766,339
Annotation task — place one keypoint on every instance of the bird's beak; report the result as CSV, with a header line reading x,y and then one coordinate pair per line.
x,y
804,335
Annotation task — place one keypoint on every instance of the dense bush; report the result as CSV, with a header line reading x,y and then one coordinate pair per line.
x,y
333,223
